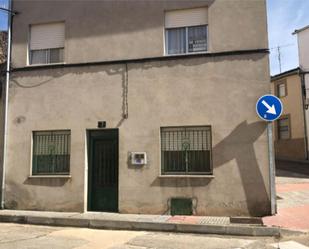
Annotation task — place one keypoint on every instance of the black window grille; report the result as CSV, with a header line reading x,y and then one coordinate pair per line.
x,y
186,150
51,152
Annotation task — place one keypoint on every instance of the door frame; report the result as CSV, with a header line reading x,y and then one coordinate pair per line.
x,y
88,163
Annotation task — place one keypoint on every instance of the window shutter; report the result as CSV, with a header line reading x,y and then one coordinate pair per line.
x,y
188,17
45,36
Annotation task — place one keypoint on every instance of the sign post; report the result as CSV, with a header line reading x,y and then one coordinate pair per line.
x,y
269,108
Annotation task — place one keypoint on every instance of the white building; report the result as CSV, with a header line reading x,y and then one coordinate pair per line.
x,y
303,51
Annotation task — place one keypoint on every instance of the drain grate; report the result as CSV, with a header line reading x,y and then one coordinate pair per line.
x,y
211,220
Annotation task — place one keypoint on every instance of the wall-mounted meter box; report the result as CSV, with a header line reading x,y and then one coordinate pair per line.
x,y
138,158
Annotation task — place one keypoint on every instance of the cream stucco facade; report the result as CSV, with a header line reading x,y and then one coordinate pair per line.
x,y
293,147
114,57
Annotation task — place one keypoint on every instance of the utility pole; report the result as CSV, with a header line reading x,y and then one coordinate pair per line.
x,y
6,97
279,58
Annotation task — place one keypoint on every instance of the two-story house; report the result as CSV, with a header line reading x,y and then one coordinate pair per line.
x,y
138,107
290,136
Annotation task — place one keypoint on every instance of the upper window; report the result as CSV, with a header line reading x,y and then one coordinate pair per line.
x,y
51,152
186,150
46,43
281,89
186,31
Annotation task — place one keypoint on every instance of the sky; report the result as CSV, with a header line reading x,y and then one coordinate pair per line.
x,y
3,15
284,16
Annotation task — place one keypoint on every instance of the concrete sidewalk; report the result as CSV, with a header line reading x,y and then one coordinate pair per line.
x,y
292,200
164,223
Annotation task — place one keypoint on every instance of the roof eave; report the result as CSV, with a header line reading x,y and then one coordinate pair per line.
x,y
286,73
300,30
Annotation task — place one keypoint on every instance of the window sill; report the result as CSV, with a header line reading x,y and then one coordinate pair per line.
x,y
184,54
50,176
47,64
187,176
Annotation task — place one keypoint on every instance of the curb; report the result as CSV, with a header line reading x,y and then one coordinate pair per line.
x,y
285,232
243,230
293,160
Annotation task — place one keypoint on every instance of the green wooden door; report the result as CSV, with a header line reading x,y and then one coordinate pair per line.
x,y
103,170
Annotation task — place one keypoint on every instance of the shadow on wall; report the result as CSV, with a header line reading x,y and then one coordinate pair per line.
x,y
238,145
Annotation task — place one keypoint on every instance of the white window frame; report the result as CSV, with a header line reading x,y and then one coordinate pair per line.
x,y
28,62
47,57
283,85
187,44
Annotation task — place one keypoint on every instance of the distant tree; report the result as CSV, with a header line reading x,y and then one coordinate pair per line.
x,y
3,59
3,46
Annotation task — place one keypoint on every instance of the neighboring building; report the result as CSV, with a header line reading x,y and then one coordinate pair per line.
x,y
303,52
289,129
177,80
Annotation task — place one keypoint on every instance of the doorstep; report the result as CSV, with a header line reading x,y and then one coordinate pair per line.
x,y
162,223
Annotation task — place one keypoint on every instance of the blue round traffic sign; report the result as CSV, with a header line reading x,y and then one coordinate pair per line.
x,y
269,107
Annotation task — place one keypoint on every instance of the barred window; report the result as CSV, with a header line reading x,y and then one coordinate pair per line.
x,y
283,128
186,150
51,152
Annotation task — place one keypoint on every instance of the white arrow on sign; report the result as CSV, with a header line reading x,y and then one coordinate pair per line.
x,y
271,109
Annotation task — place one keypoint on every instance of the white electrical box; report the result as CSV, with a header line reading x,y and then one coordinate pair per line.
x,y
138,158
